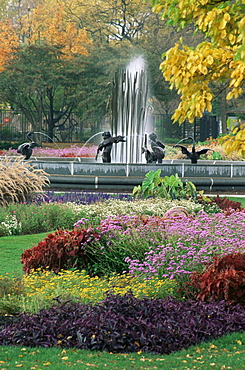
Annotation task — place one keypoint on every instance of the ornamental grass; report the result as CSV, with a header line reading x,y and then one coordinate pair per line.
x,y
19,180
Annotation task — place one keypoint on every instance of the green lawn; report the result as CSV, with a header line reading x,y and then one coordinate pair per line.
x,y
224,353
11,248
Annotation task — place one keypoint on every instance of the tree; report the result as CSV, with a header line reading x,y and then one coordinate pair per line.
x,y
220,59
44,74
39,82
108,20
8,42
45,25
235,141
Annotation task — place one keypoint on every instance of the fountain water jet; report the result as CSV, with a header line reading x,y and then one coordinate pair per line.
x,y
92,137
129,111
41,133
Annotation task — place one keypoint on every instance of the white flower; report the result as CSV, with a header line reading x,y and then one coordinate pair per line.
x,y
11,225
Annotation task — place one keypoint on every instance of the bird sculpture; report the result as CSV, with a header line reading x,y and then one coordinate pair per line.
x,y
26,148
193,155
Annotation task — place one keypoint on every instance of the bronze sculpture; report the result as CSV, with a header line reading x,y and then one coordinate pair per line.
x,y
106,146
26,148
193,155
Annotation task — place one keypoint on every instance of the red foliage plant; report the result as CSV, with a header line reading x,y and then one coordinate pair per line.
x,y
225,203
223,279
72,155
68,155
61,250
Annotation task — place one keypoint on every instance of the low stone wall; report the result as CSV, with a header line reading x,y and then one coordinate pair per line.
x,y
211,175
85,173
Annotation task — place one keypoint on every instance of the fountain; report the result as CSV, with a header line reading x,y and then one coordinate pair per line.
x,y
129,111
130,119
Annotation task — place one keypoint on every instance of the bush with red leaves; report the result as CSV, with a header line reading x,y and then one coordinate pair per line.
x,y
61,250
223,279
223,203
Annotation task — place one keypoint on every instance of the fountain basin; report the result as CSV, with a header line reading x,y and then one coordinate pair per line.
x,y
89,174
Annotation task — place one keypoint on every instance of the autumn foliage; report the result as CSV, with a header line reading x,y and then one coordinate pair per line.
x,y
235,141
220,58
49,26
8,43
223,279
42,25
61,250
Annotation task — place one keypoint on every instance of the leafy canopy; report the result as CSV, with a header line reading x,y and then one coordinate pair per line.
x,y
220,58
49,26
40,65
235,141
8,42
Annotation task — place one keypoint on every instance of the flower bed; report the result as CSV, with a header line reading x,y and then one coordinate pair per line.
x,y
145,282
88,151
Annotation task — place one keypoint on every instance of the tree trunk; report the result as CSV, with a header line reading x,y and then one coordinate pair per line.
x,y
223,107
51,115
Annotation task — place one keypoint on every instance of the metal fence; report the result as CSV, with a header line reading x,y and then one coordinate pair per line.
x,y
14,126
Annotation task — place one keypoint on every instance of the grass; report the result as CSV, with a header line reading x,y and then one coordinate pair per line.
x,y
224,353
11,248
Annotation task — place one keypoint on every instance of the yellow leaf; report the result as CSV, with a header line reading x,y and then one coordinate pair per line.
x,y
209,107
227,17
222,24
210,59
229,95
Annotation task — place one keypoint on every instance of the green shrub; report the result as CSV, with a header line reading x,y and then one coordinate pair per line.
x,y
6,145
37,218
168,187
